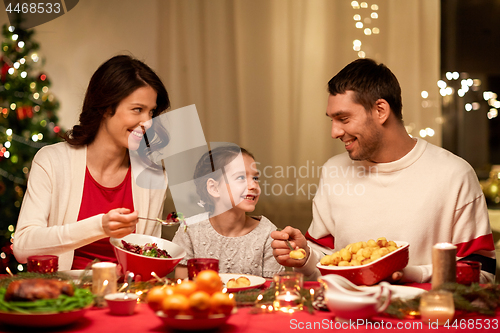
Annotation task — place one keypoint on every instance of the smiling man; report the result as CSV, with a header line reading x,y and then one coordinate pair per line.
x,y
406,189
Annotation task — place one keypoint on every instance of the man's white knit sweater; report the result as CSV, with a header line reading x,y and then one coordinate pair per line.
x,y
429,196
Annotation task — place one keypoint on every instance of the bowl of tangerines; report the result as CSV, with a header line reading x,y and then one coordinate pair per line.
x,y
192,305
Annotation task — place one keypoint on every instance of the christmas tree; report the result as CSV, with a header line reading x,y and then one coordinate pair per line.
x,y
28,121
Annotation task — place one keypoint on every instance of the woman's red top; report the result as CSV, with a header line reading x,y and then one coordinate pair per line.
x,y
98,199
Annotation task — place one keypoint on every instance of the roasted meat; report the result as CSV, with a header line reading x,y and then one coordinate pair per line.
x,y
33,289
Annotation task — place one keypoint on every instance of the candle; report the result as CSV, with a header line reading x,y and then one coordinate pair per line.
x,y
437,306
443,264
103,280
287,294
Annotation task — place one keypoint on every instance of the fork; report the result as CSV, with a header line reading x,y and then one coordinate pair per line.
x,y
164,222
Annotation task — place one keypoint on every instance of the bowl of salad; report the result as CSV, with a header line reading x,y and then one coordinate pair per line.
x,y
144,254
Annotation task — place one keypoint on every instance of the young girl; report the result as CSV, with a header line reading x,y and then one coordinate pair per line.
x,y
81,192
227,182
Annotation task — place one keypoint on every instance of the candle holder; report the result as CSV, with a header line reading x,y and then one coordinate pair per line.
x,y
287,291
197,265
437,307
444,264
103,281
468,272
43,264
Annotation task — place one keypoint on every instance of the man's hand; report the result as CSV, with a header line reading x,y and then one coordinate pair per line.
x,y
119,222
281,250
395,277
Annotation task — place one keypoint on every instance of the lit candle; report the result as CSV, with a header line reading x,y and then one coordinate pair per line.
x,y
437,307
444,264
287,291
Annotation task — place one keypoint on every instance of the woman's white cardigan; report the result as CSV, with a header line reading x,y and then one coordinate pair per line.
x,y
47,222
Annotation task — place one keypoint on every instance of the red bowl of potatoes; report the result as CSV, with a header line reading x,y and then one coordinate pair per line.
x,y
375,271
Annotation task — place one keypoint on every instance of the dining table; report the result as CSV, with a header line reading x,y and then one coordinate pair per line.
x,y
245,320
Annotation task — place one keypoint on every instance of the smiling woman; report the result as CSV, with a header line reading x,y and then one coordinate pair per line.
x,y
81,192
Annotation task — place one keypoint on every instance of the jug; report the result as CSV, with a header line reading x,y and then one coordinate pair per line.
x,y
350,302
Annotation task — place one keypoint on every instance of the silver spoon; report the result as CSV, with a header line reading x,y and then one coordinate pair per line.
x,y
164,222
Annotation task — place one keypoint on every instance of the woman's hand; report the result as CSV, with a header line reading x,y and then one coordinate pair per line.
x,y
281,251
119,222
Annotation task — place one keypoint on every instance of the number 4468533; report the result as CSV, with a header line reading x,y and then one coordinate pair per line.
x,y
35,8
472,324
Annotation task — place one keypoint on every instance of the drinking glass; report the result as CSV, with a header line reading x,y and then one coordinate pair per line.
x,y
197,265
468,272
43,264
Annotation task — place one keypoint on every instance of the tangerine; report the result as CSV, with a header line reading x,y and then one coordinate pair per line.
x,y
199,303
222,303
186,288
155,297
175,304
208,281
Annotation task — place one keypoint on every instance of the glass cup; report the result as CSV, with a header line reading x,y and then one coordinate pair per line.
x,y
468,272
197,265
437,307
287,291
103,280
43,264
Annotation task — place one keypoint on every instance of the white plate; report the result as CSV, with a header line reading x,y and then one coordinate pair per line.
x,y
404,292
255,281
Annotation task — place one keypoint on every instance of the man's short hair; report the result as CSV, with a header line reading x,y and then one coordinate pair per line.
x,y
369,81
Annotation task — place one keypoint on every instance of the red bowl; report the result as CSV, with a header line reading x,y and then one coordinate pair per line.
x,y
144,265
375,271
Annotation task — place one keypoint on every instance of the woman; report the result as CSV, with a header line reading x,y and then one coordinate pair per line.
x,y
81,192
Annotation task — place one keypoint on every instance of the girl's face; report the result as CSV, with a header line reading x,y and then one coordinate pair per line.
x,y
134,111
243,183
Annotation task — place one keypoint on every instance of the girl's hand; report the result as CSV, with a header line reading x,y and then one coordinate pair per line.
x,y
119,222
281,251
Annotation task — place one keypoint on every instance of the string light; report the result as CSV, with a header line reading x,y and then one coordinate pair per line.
x,y
362,23
493,113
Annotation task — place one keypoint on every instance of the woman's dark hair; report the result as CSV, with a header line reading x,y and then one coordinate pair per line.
x,y
113,81
215,159
369,81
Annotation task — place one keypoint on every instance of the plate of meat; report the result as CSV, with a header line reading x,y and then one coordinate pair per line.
x,y
42,302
